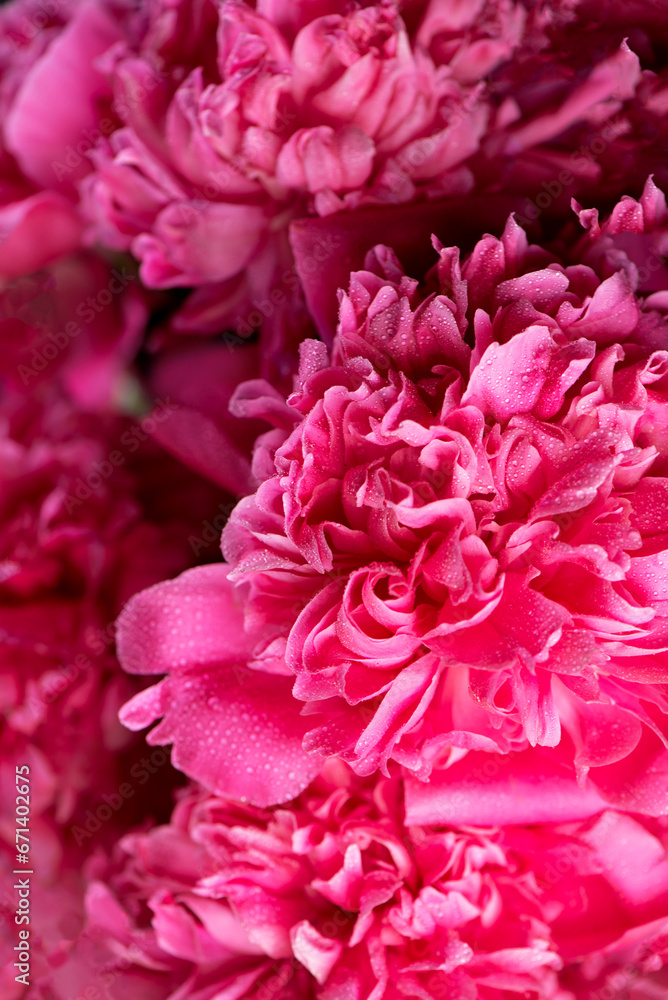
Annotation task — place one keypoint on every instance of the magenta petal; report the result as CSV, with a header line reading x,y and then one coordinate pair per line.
x,y
634,859
199,241
35,231
638,782
143,709
606,735
484,789
155,633
615,77
236,730
529,373
44,134
612,314
320,158
319,954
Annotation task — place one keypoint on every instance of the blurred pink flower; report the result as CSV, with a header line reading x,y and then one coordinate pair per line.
x,y
335,895
452,548
83,527
150,931
78,321
201,175
50,49
199,133
238,120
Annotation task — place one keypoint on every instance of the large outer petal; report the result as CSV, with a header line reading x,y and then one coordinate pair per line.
x,y
534,786
237,731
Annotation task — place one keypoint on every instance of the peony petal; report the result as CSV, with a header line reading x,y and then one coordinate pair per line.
x,y
199,241
45,138
484,789
319,954
208,448
35,231
228,731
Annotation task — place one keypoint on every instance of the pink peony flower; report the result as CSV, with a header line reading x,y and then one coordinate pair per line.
x,y
334,895
46,50
83,528
199,134
150,931
196,188
457,541
238,120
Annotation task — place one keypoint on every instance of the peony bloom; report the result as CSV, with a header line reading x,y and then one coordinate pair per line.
x,y
335,895
83,528
51,48
238,119
150,931
199,134
82,322
457,541
311,117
